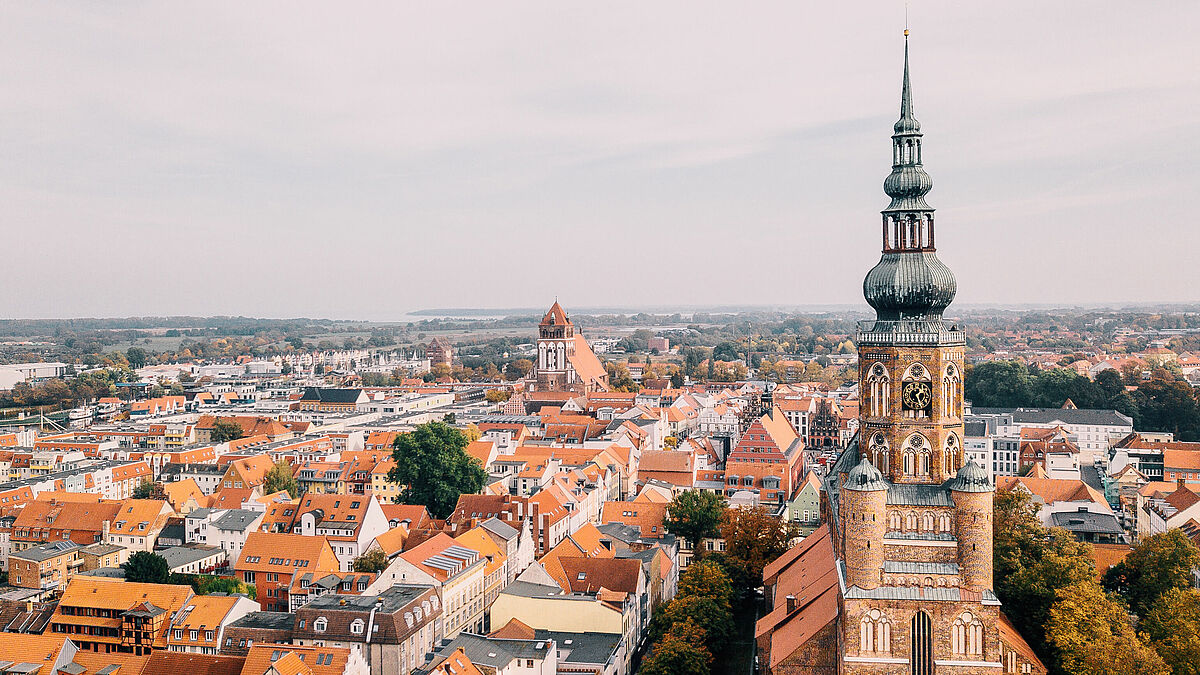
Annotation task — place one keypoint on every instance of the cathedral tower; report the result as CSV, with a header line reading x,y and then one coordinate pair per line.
x,y
898,581
910,360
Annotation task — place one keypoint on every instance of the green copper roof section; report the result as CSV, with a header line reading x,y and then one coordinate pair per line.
x,y
910,287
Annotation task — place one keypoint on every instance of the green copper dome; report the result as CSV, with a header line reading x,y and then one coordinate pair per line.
x,y
909,287
865,478
971,478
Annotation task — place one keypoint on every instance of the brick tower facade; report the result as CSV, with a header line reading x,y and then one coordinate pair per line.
x,y
908,533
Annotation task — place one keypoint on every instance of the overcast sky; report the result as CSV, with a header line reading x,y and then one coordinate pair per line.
x,y
363,160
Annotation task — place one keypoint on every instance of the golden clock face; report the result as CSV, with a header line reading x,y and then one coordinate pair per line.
x,y
916,395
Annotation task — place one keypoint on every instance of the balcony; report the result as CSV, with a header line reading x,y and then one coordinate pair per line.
x,y
910,333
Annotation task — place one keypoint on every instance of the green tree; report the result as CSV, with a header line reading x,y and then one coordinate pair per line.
x,y
1052,388
225,430
1173,625
726,351
433,468
704,596
279,477
753,539
1156,565
1092,635
708,613
207,584
705,578
998,384
374,560
679,652
694,515
518,369
137,357
1032,563
619,378
146,567
1168,404
144,489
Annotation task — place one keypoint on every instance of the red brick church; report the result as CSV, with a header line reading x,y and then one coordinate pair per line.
x,y
898,580
565,362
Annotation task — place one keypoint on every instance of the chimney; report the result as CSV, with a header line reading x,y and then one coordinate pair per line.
x,y
791,604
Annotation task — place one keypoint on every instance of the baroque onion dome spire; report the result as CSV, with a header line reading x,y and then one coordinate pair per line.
x,y
909,287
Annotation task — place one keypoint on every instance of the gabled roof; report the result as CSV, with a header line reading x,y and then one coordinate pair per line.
x,y
515,629
441,557
1185,459
1012,638
645,516
587,367
1052,490
591,575
807,573
286,553
555,316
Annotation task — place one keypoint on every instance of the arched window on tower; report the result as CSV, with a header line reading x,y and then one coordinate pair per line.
x,y
880,454
917,456
927,522
951,392
950,455
875,632
966,636
879,386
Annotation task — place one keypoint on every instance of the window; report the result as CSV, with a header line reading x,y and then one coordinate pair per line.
x,y
875,632
916,455
879,386
966,636
357,626
950,455
320,624
921,659
951,386
879,453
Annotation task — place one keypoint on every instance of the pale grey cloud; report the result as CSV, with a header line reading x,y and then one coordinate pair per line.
x,y
364,159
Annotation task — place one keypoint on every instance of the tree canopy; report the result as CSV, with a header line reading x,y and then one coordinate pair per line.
x,y
225,430
753,539
1092,635
279,477
146,567
1165,402
1173,624
1158,563
144,489
704,597
433,468
694,515
680,651
374,560
1032,563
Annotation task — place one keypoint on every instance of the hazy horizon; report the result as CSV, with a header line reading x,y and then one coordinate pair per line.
x,y
367,160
